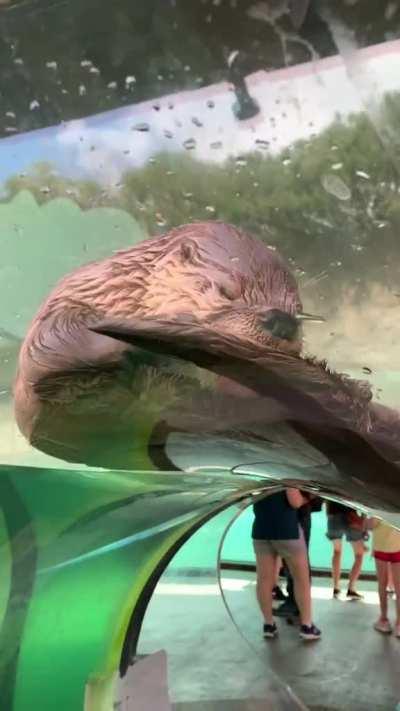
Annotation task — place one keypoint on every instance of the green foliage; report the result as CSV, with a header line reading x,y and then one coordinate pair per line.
x,y
330,203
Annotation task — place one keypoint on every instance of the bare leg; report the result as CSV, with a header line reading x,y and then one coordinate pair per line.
x,y
382,575
266,563
358,549
390,577
278,564
298,566
396,583
336,563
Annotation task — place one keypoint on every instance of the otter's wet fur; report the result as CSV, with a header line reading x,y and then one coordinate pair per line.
x,y
204,293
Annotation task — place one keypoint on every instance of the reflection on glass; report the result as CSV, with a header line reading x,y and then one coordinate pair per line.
x,y
120,124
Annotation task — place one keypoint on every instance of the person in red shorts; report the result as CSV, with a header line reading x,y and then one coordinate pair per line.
x,y
386,549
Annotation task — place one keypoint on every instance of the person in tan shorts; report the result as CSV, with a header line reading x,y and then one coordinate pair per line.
x,y
276,532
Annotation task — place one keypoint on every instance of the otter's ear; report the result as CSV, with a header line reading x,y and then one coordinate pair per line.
x,y
188,251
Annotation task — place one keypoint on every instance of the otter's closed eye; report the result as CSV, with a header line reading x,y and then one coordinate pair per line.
x,y
227,292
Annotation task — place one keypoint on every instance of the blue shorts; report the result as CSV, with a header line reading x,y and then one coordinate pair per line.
x,y
338,527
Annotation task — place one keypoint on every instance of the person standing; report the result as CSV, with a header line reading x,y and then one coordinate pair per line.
x,y
289,607
276,532
386,551
344,521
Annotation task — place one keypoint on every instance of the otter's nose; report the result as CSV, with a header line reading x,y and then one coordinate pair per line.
x,y
281,325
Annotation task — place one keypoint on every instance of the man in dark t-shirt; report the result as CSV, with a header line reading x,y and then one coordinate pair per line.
x,y
276,533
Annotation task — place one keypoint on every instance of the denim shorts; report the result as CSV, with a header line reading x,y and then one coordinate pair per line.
x,y
338,527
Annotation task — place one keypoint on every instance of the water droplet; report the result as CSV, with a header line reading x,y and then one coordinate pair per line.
x,y
94,70
18,60
187,196
160,220
210,208
336,186
366,370
156,107
86,63
240,161
10,129
168,134
216,145
287,161
34,105
129,80
10,114
170,172
186,68
141,127
231,58
51,65
256,184
337,166
189,144
262,144
334,148
210,104
170,106
197,121
361,174
82,90
112,85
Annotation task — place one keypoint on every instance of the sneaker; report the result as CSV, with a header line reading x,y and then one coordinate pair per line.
x,y
278,594
309,632
270,631
287,609
353,595
383,626
336,593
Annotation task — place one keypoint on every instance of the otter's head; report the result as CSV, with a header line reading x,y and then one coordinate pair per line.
x,y
227,279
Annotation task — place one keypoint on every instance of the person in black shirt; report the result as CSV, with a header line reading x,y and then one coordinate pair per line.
x,y
276,532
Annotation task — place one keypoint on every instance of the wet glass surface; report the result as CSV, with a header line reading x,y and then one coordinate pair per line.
x,y
122,121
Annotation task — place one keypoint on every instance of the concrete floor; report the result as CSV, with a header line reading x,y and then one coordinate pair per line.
x,y
214,665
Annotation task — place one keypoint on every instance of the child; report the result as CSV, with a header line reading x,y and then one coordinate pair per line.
x,y
386,549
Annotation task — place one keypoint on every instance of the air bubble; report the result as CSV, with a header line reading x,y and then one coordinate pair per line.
x,y
129,80
262,144
143,127
168,134
189,144
86,63
82,90
197,121
34,105
216,145
51,65
112,85
361,174
336,186
210,104
210,208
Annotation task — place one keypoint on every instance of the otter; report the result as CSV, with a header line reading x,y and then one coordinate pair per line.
x,y
98,369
